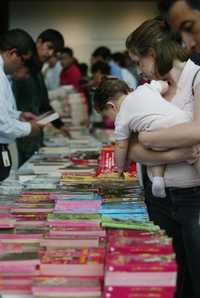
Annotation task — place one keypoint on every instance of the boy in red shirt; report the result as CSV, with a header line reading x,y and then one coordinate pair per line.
x,y
70,75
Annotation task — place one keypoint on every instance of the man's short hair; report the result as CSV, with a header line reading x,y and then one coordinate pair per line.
x,y
102,52
67,51
17,39
53,36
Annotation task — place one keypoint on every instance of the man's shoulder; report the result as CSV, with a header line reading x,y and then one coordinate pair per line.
x,y
195,57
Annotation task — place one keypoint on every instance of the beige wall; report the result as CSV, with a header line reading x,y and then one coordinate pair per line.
x,y
84,24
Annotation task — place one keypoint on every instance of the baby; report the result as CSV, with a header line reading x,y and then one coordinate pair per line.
x,y
141,110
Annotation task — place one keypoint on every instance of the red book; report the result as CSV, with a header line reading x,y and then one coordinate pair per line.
x,y
133,245
73,262
140,270
134,233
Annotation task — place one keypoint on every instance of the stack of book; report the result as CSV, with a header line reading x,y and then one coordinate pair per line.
x,y
76,218
19,263
7,220
31,210
139,264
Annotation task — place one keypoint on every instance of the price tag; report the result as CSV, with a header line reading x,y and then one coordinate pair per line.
x,y
6,159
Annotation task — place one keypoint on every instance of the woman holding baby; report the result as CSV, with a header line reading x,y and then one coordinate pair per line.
x,y
159,57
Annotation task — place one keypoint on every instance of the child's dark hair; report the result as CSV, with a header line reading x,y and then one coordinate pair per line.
x,y
155,35
108,88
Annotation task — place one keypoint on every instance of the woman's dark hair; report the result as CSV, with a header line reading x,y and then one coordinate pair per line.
x,y
101,66
17,39
165,5
155,36
53,36
109,87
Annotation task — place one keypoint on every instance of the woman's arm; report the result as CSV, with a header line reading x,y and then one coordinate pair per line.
x,y
181,135
139,153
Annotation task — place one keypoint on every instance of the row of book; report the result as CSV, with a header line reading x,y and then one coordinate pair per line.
x,y
77,230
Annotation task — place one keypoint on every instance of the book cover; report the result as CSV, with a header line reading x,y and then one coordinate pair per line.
x,y
73,262
140,262
130,245
47,117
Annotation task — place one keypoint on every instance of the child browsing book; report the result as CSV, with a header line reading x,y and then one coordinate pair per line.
x,y
144,109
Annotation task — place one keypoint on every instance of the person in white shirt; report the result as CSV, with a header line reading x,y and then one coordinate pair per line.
x,y
141,110
51,72
127,76
16,48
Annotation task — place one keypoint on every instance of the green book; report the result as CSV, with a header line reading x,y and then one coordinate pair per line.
x,y
128,224
66,216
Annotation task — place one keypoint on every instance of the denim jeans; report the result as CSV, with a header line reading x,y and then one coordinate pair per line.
x,y
179,215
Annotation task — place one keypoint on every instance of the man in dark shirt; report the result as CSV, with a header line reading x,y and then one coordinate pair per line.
x,y
31,92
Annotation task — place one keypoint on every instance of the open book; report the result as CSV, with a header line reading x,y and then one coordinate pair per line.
x,y
47,117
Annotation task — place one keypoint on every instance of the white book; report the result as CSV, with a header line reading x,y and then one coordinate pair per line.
x,y
47,118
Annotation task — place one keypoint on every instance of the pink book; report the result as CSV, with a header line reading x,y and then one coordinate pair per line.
x,y
96,270
19,267
11,248
6,216
74,223
69,287
140,279
30,223
20,238
71,242
75,232
131,292
66,292
79,204
7,225
8,281
16,290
